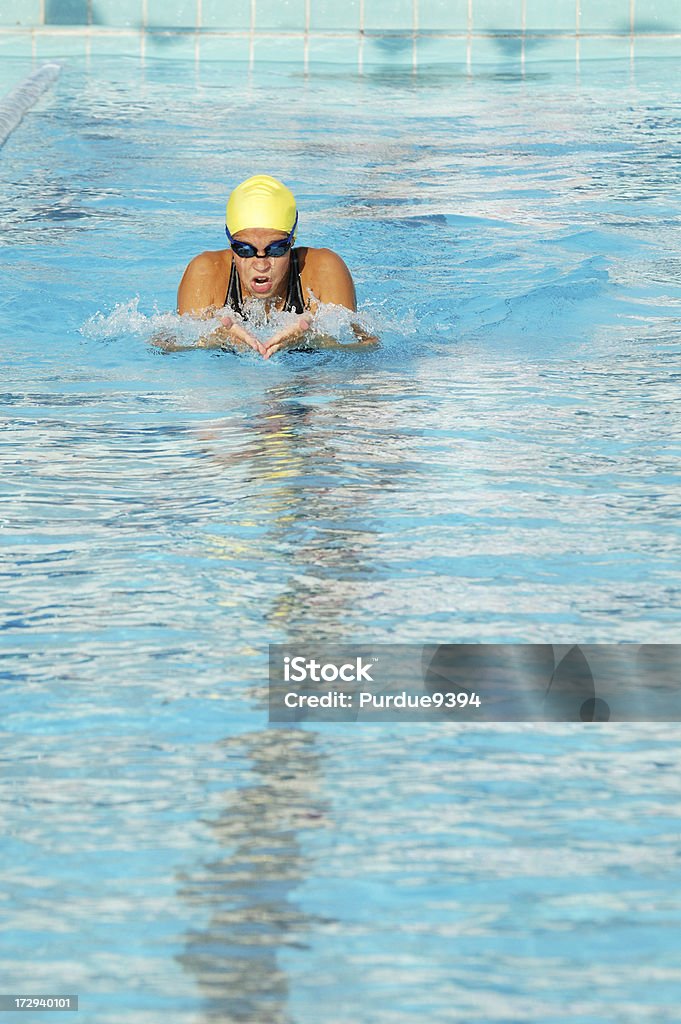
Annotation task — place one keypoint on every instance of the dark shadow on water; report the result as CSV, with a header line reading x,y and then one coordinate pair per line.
x,y
82,12
511,47
75,12
392,44
71,12
66,12
163,38
425,75
247,894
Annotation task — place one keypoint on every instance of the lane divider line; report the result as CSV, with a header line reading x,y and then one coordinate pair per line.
x,y
20,100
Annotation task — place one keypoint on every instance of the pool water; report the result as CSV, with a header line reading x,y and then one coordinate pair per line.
x,y
504,468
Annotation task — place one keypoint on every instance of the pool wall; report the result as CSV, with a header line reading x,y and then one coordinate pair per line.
x,y
411,32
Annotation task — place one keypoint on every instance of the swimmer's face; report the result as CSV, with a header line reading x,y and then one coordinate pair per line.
x,y
263,276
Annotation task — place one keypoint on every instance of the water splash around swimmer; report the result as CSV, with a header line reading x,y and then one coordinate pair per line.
x,y
168,330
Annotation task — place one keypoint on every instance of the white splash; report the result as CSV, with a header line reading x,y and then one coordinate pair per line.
x,y
127,319
169,329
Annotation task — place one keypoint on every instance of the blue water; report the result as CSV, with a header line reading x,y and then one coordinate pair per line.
x,y
504,469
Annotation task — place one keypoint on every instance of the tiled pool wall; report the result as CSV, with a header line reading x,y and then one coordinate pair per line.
x,y
411,32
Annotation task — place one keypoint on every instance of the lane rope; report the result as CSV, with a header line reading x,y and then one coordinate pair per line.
x,y
20,100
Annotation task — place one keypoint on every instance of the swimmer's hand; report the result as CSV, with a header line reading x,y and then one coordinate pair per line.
x,y
363,339
303,326
287,336
238,334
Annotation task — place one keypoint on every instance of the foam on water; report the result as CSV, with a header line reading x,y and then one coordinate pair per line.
x,y
168,328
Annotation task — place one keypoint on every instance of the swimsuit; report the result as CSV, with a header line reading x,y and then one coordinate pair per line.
x,y
293,302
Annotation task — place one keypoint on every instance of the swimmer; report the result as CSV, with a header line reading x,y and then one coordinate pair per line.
x,y
262,263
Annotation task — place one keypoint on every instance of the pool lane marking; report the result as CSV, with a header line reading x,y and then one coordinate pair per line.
x,y
20,100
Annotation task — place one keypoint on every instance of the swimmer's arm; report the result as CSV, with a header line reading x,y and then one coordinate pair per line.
x,y
230,335
198,297
328,341
197,292
363,339
169,343
337,287
303,331
332,281
219,338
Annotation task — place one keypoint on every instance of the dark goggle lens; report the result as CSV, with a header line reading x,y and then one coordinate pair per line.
x,y
279,248
246,251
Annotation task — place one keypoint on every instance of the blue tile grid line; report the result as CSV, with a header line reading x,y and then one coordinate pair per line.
x,y
372,31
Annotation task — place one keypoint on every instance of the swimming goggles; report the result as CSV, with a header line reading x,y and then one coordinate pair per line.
x,y
247,251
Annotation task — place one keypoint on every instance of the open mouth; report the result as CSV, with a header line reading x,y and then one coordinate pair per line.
x,y
261,283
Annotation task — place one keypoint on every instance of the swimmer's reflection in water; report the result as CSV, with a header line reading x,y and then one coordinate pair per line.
x,y
246,892
262,263
302,502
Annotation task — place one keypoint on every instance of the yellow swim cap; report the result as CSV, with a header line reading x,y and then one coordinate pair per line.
x,y
261,202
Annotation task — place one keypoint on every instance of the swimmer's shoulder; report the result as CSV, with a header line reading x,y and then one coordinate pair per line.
x,y
325,273
204,282
324,260
210,262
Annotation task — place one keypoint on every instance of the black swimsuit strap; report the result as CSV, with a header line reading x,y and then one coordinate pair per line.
x,y
294,302
234,298
294,296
